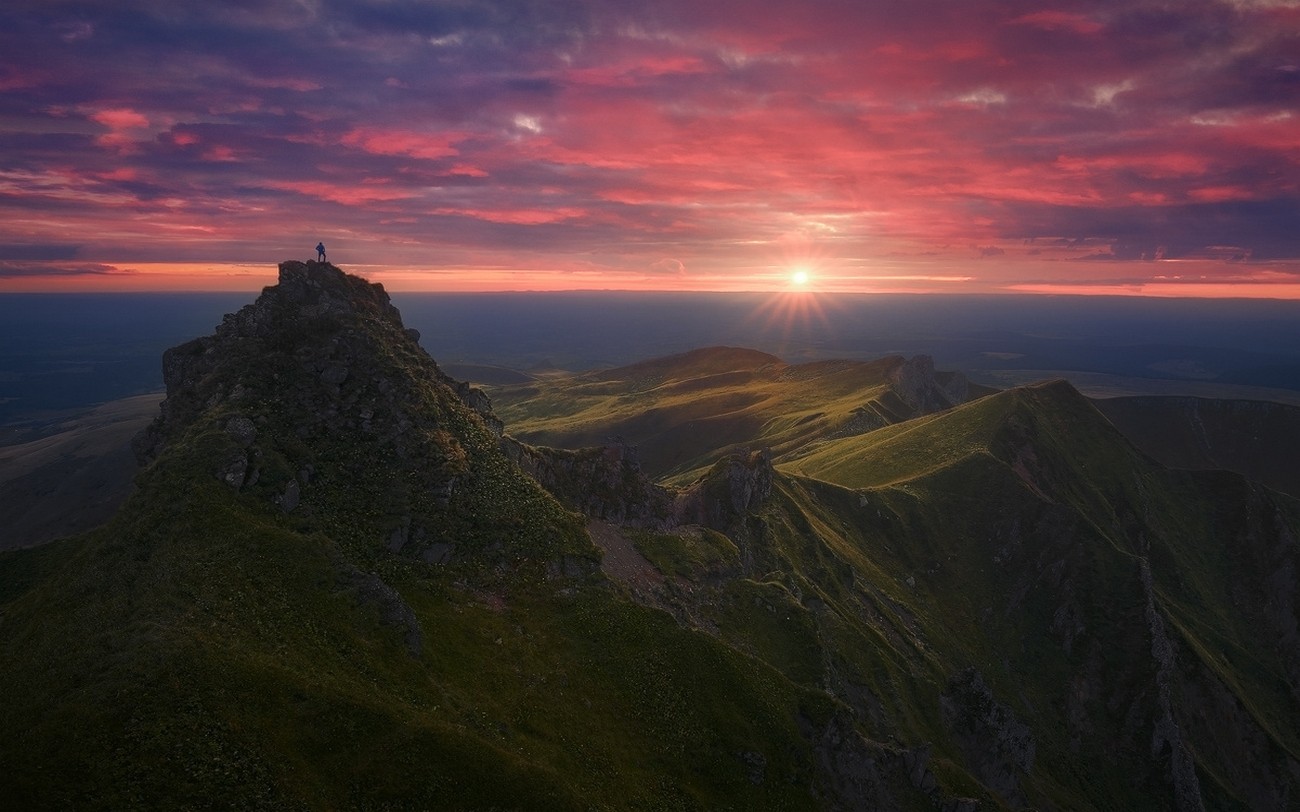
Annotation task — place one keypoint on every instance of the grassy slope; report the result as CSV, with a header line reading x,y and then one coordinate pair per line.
x,y
206,650
1010,535
684,412
974,486
231,667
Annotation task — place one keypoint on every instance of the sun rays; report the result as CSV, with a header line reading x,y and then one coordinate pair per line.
x,y
796,317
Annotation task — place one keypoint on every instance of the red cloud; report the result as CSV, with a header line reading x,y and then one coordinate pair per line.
x,y
120,118
427,146
1057,20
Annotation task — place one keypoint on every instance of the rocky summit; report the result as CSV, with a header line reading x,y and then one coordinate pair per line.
x,y
711,581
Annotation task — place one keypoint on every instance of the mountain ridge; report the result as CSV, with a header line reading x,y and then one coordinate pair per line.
x,y
340,583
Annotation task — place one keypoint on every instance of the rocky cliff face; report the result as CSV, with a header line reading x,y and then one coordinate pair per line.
x,y
926,391
316,396
604,483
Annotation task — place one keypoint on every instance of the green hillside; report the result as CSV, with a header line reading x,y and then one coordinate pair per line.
x,y
335,587
686,411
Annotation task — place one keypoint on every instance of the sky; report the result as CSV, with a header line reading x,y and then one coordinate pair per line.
x,y
871,145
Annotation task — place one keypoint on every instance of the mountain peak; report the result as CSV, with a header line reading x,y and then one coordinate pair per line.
x,y
316,394
693,364
318,288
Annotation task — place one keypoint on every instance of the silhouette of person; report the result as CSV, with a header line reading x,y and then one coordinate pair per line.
x,y
320,252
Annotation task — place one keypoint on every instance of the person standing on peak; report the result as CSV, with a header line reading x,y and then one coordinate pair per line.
x,y
320,252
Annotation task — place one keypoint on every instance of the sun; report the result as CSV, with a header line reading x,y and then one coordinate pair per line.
x,y
799,278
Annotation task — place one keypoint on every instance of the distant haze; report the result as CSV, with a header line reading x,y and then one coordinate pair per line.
x,y
71,351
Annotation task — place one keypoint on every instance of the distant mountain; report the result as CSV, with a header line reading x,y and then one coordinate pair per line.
x,y
686,411
340,584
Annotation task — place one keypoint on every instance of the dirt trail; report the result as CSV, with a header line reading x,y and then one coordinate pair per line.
x,y
622,562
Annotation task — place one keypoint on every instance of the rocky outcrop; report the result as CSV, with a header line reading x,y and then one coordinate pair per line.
x,y
317,382
736,486
607,483
604,483
370,590
1166,738
320,364
924,390
998,747
852,772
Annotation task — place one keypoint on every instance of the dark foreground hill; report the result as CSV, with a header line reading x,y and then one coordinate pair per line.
x,y
335,587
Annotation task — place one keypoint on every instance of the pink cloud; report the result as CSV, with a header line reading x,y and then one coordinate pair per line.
x,y
529,217
428,146
1059,20
342,193
120,118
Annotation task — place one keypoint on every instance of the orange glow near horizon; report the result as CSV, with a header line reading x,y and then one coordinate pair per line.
x,y
801,292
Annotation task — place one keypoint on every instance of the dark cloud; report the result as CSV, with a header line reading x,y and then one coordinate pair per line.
x,y
429,19
1256,229
18,268
37,251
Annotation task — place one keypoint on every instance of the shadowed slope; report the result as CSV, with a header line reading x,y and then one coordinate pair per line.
x,y
1081,577
1257,438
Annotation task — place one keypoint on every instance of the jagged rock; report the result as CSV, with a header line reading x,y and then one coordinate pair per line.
x,y
602,483
917,763
393,610
438,553
737,486
997,745
397,539
477,400
292,494
307,347
921,388
335,374
755,765
853,772
1166,738
442,491
234,471
241,430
